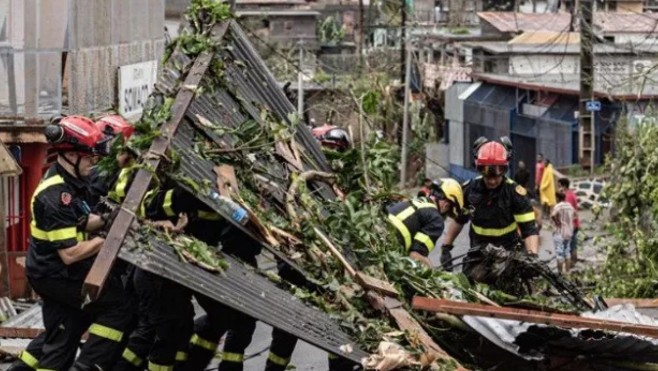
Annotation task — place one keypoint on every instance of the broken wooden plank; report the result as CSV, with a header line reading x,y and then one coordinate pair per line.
x,y
637,303
20,332
532,316
105,259
372,283
227,184
413,330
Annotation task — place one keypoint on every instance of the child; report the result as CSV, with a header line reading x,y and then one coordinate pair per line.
x,y
563,215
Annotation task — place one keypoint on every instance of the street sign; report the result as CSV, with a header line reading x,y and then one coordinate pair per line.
x,y
136,82
593,105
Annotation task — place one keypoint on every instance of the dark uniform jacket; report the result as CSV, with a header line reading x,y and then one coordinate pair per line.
x,y
203,222
59,204
497,215
418,223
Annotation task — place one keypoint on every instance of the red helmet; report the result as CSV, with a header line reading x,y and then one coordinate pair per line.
x,y
492,159
332,137
77,134
115,125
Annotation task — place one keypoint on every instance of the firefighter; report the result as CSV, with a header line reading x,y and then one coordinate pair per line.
x,y
119,129
219,318
496,206
165,307
419,222
60,256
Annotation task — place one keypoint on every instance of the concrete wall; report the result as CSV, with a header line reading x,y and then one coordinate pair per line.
x,y
105,34
543,64
95,36
437,163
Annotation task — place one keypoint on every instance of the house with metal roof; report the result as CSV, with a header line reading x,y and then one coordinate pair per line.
x,y
528,88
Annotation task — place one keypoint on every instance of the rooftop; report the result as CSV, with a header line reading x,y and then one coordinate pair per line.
x,y
605,22
548,46
609,86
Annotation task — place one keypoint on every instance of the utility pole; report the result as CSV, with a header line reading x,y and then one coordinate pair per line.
x,y
403,39
362,34
586,117
300,82
405,121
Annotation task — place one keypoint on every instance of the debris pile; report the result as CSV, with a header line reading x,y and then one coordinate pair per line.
x,y
330,228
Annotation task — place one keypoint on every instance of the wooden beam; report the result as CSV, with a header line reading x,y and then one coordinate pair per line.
x,y
106,257
637,303
532,316
20,332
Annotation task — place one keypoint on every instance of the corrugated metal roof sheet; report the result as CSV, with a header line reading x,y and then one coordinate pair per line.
x,y
536,342
30,318
606,22
242,289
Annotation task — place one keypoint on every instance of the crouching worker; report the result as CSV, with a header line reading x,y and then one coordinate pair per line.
x,y
419,222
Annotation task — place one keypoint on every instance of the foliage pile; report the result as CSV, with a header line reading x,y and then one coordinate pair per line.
x,y
356,224
631,243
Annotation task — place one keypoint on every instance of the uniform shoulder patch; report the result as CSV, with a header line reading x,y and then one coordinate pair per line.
x,y
520,190
65,198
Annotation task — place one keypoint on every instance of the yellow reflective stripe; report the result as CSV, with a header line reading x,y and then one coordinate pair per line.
x,y
28,359
494,232
147,199
404,214
424,239
181,356
424,204
166,206
203,343
53,180
55,235
106,332
523,218
131,357
46,369
233,357
278,360
208,215
157,367
122,184
404,231
332,356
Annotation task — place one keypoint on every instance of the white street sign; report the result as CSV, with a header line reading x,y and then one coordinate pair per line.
x,y
136,82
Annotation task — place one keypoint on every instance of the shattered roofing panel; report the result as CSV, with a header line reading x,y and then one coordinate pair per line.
x,y
30,318
533,342
241,288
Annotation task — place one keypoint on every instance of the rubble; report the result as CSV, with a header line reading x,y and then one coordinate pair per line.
x,y
219,125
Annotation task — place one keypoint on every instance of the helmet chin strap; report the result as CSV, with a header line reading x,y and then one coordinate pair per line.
x,y
76,165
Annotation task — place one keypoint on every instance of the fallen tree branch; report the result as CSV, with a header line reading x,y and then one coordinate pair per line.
x,y
306,176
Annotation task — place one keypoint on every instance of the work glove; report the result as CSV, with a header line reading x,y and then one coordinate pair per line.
x,y
446,257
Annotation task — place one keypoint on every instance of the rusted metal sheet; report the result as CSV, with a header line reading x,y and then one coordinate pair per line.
x,y
532,316
106,257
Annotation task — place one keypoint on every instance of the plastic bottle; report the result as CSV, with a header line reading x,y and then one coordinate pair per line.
x,y
231,208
